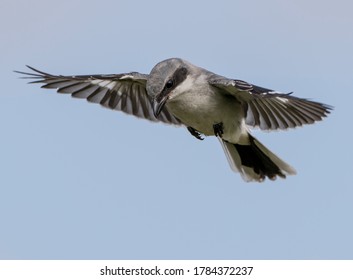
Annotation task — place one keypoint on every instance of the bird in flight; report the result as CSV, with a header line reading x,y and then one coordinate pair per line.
x,y
180,93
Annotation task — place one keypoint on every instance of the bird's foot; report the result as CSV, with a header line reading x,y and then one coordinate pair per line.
x,y
195,133
218,129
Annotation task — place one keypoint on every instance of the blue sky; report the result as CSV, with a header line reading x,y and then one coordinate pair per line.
x,y
82,182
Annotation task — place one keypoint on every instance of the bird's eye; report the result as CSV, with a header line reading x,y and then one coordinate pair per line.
x,y
169,84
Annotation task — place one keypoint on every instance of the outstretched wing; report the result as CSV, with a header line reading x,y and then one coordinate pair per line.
x,y
269,109
121,92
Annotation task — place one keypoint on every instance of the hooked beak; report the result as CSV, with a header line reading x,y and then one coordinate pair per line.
x,y
158,104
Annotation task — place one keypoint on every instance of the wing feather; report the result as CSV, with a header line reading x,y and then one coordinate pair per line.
x,y
268,109
121,92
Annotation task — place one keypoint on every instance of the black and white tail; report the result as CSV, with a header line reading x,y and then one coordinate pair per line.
x,y
254,161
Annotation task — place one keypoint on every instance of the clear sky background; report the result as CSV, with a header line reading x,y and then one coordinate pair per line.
x,y
79,181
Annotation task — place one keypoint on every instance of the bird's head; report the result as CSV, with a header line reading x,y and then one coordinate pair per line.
x,y
164,78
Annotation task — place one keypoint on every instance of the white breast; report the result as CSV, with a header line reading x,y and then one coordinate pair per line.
x,y
201,106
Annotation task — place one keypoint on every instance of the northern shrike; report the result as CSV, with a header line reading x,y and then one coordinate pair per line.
x,y
180,93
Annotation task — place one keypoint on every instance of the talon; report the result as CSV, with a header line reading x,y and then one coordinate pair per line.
x,y
195,133
218,129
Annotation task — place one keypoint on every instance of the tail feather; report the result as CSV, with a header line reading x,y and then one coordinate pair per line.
x,y
254,161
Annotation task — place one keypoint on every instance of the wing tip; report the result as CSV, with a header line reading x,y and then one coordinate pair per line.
x,y
37,74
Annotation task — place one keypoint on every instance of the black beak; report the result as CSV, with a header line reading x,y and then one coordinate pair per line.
x,y
158,104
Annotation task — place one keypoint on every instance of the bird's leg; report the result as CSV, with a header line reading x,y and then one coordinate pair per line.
x,y
218,129
195,133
